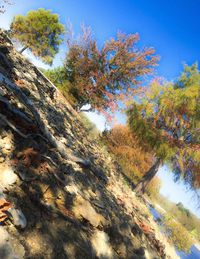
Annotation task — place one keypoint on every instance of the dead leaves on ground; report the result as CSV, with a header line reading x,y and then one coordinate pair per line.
x,y
28,157
4,207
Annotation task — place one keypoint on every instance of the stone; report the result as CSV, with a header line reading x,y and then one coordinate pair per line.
x,y
83,209
9,248
100,174
18,217
2,159
101,245
72,189
6,251
1,194
7,176
121,250
8,146
140,251
29,77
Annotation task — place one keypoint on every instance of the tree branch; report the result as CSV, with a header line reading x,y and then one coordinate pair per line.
x,y
86,110
23,49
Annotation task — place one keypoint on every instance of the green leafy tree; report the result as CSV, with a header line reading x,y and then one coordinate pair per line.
x,y
39,31
179,236
167,122
102,76
182,215
58,77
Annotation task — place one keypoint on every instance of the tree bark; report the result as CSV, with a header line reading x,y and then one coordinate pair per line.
x,y
146,179
23,49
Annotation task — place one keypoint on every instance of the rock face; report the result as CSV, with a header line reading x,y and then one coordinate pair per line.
x,y
67,209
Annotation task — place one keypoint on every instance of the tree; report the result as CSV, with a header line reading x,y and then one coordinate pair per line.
x,y
101,76
39,31
58,77
182,215
178,234
125,146
153,189
167,122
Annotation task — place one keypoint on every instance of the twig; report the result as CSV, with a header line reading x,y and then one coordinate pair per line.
x,y
54,164
2,117
50,159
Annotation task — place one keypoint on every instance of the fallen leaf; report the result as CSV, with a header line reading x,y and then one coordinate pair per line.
x,y
4,206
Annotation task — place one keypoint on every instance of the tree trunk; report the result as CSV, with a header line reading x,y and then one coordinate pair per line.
x,y
23,49
141,186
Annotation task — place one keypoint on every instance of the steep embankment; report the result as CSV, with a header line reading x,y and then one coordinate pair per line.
x,y
61,195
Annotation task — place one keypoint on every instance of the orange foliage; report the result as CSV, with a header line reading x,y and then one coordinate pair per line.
x,y
134,161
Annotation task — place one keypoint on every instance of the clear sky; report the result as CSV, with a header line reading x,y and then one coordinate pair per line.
x,y
171,27
177,192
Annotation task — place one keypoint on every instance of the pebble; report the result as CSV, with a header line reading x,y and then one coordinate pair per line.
x,y
7,176
8,146
2,159
18,217
9,249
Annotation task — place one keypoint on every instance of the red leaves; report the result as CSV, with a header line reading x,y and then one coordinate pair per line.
x,y
4,206
28,157
20,82
145,228
99,76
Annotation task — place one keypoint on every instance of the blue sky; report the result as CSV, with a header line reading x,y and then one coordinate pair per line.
x,y
177,192
171,27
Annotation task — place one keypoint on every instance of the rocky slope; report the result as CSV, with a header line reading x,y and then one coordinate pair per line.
x,y
61,195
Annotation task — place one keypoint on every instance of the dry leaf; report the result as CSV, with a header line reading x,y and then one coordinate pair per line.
x,y
4,206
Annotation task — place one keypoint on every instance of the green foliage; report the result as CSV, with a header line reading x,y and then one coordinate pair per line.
x,y
183,209
58,77
91,128
167,121
182,215
178,234
153,189
40,31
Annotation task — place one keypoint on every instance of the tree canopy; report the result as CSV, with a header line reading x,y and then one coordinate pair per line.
x,y
126,148
167,121
39,31
100,76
